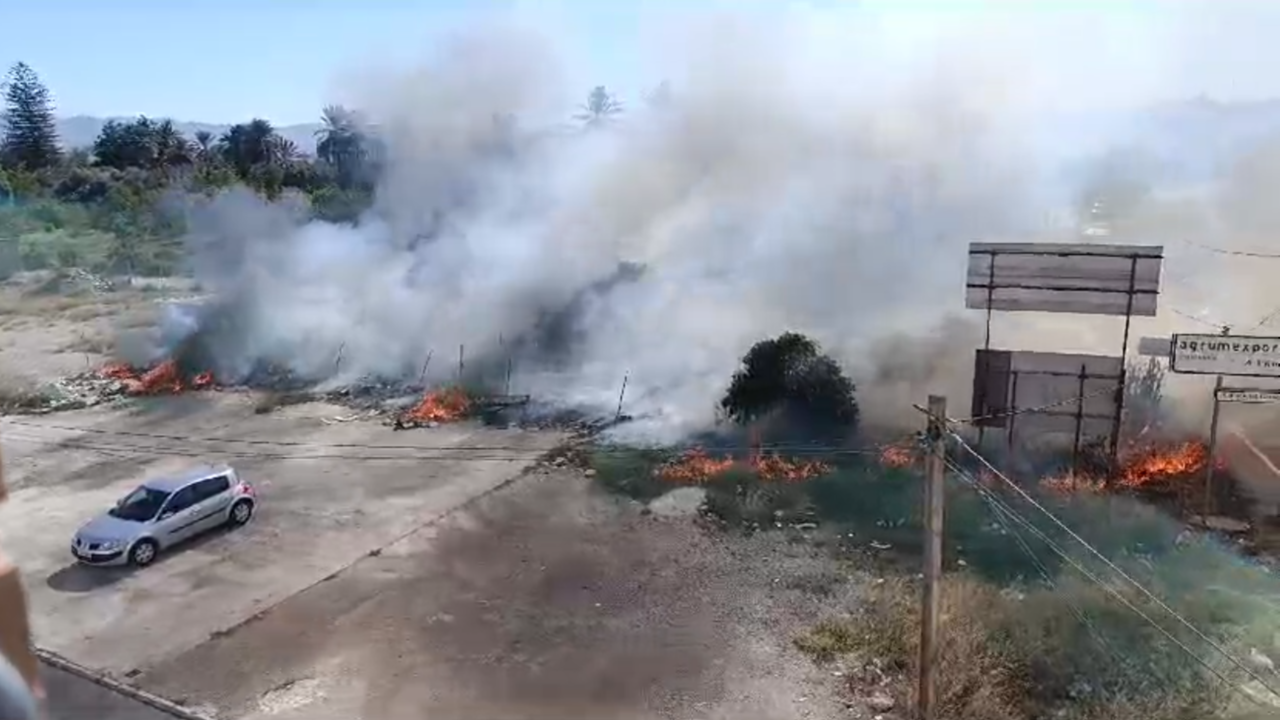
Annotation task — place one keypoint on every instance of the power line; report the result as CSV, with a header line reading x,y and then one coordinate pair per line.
x,y
1196,318
495,453
1026,411
1030,527
1111,565
790,448
1003,513
140,450
1233,253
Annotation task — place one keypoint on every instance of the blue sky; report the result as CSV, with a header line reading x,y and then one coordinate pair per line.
x,y
228,60
231,59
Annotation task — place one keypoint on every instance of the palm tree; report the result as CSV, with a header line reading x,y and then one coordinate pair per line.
x,y
204,144
341,144
281,150
600,108
245,145
172,149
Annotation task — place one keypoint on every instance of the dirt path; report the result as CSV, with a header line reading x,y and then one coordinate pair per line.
x,y
548,600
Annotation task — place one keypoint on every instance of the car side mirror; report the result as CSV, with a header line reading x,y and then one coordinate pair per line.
x,y
165,515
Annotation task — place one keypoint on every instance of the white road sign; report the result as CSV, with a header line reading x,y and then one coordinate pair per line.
x,y
1245,395
1237,355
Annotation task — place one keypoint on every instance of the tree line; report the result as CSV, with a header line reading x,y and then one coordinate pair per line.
x,y
111,190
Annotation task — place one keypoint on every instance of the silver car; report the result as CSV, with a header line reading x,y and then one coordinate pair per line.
x,y
163,512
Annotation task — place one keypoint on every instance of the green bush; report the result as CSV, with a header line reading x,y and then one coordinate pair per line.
x,y
630,471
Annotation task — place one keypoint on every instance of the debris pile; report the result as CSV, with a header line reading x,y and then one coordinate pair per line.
x,y
437,406
163,379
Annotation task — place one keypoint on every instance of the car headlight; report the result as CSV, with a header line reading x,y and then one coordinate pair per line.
x,y
108,545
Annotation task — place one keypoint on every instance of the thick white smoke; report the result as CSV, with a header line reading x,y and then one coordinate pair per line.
x,y
817,171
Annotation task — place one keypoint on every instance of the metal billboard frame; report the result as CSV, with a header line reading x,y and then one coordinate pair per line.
x,y
1080,270
997,374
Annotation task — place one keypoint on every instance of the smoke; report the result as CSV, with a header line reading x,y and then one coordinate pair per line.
x,y
819,171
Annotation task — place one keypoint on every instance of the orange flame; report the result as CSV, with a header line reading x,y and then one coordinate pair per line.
x,y
163,379
897,456
696,466
1161,464
440,406
1150,466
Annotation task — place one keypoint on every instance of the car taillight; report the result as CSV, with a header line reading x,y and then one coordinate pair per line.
x,y
246,488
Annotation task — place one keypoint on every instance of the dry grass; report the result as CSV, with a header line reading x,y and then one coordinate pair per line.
x,y
18,394
1008,656
92,344
74,307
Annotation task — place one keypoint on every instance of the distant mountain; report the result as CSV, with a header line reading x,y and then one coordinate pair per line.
x,y
81,130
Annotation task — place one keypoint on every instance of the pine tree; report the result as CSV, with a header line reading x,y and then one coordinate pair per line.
x,y
30,132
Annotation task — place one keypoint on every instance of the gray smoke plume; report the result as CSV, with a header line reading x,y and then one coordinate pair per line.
x,y
801,177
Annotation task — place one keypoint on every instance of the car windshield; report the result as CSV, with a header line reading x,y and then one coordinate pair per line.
x,y
140,505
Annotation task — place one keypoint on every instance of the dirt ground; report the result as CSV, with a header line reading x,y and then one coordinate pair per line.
x,y
546,600
46,335
436,573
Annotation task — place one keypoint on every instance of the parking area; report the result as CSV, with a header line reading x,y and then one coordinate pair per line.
x,y
333,490
546,600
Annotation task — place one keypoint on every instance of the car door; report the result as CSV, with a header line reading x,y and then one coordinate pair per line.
x,y
175,523
213,502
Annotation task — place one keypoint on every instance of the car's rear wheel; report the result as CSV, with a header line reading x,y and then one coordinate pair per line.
x,y
143,553
241,513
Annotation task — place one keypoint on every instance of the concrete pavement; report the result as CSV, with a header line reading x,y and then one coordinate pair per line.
x,y
72,697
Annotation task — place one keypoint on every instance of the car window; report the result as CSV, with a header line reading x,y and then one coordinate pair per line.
x,y
210,487
140,505
181,500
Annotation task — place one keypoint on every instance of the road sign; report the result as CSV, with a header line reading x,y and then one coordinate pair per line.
x,y
1155,346
1250,396
1234,355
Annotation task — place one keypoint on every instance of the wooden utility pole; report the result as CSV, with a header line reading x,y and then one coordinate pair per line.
x,y
934,466
1207,509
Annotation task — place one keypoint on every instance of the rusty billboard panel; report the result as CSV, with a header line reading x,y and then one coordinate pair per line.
x,y
1048,393
990,388
1064,277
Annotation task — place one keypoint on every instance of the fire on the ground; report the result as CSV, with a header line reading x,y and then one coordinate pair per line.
x,y
163,379
697,466
1149,466
438,406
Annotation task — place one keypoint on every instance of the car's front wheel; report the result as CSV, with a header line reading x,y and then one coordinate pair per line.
x,y
143,553
241,513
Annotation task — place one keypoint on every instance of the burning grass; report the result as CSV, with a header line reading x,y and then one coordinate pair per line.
x,y
696,467
1169,473
757,489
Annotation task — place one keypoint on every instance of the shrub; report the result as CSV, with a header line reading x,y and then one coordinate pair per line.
x,y
630,471
1006,654
790,374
